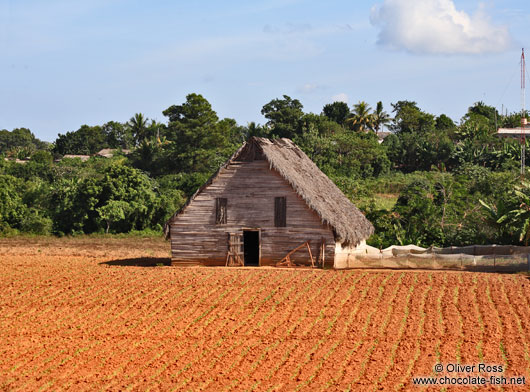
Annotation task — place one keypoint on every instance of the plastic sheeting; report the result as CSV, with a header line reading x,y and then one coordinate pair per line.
x,y
474,258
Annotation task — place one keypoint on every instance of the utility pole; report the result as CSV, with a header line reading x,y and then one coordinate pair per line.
x,y
523,115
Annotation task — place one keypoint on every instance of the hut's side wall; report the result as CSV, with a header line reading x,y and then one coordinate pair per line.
x,y
250,189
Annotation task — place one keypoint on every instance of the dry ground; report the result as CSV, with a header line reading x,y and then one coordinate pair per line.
x,y
99,314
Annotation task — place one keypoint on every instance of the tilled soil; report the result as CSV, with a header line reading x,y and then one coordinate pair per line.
x,y
110,314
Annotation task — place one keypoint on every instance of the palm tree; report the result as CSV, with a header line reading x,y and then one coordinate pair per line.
x,y
361,120
146,151
153,131
138,125
380,117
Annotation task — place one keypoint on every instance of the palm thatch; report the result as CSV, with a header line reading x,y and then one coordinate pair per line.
x,y
314,187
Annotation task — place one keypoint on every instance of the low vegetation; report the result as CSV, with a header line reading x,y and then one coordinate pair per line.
x,y
431,181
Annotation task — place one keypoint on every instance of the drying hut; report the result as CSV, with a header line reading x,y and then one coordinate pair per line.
x,y
266,201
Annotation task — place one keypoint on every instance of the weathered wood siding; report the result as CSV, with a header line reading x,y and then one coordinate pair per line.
x,y
250,189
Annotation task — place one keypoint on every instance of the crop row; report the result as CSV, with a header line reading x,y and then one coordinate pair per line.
x,y
238,329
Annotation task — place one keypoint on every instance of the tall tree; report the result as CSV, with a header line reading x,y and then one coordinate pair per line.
x,y
481,109
444,123
362,119
138,126
134,190
410,118
20,143
380,117
196,112
253,129
114,211
337,111
86,140
118,135
284,116
201,141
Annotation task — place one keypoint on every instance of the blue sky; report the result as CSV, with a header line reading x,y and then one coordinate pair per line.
x,y
71,62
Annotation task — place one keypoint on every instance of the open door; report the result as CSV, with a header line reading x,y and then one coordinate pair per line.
x,y
251,246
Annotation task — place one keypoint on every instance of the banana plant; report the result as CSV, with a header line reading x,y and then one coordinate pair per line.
x,y
515,217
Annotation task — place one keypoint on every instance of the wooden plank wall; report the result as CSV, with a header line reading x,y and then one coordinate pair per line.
x,y
250,189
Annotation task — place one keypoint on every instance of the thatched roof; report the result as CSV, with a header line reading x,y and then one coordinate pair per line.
x,y
74,156
110,152
318,191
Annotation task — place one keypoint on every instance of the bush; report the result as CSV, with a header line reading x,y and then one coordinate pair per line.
x,y
34,223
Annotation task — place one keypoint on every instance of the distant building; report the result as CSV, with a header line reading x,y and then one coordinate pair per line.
x,y
83,158
514,132
105,153
110,152
21,161
382,135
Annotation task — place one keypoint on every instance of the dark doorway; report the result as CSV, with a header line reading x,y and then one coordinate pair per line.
x,y
251,247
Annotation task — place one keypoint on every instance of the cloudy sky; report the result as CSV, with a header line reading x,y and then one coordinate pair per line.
x,y
71,62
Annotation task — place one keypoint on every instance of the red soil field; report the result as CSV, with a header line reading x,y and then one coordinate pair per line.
x,y
109,314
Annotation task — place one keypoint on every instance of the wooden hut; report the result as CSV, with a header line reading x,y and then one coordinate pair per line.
x,y
268,199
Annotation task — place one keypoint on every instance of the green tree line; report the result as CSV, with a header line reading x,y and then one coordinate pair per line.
x,y
420,178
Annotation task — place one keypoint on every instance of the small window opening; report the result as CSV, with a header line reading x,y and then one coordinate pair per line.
x,y
220,211
280,212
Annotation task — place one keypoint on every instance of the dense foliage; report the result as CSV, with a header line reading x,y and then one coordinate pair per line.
x,y
431,181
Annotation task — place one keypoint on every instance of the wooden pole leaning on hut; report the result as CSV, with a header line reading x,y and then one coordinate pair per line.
x,y
286,261
322,256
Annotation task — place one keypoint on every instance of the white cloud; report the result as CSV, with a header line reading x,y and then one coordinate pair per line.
x,y
308,88
342,97
436,26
